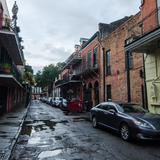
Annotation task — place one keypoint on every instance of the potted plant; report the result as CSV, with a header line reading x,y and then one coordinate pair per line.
x,y
6,68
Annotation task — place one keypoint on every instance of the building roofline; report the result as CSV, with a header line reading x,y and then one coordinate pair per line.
x,y
123,24
95,35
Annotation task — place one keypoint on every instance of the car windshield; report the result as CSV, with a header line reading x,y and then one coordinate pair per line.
x,y
132,109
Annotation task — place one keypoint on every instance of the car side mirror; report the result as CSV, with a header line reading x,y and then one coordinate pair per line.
x,y
112,111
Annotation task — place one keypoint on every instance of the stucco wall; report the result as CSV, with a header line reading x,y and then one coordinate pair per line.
x,y
152,63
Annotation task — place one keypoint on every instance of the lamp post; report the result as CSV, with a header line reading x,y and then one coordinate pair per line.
x,y
14,17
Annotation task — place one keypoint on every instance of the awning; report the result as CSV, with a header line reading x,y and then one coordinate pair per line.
x,y
66,83
9,81
9,40
145,43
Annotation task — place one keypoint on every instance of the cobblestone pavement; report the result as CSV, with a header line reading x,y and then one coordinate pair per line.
x,y
49,134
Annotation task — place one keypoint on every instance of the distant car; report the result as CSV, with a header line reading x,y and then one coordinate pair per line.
x,y
130,120
57,101
60,102
49,100
44,99
64,105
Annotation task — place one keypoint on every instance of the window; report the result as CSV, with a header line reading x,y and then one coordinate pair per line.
x,y
95,59
84,62
89,59
100,106
109,92
105,107
110,107
108,63
129,60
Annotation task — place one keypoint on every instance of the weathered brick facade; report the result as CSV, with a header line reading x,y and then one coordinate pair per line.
x,y
149,15
124,82
90,71
114,43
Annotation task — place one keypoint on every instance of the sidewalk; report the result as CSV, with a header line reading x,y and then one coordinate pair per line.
x,y
10,127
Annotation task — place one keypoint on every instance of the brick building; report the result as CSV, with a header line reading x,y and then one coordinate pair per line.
x,y
148,42
101,70
90,53
12,92
121,73
68,85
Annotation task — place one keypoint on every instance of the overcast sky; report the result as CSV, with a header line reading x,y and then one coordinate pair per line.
x,y
51,28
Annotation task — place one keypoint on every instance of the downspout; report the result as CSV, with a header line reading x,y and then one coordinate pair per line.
x,y
145,86
128,78
104,69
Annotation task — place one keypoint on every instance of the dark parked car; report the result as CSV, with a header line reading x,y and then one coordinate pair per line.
x,y
130,120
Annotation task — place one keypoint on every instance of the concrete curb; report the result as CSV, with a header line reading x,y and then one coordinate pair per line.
x,y
13,143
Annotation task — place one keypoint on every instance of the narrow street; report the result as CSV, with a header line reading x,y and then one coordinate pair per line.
x,y
50,134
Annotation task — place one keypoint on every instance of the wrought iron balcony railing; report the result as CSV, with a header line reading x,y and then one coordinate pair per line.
x,y
73,59
66,80
11,69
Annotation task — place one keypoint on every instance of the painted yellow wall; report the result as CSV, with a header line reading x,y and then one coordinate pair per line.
x,y
152,64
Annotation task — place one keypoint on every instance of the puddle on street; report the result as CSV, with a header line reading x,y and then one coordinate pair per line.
x,y
34,140
9,124
36,126
47,154
12,117
78,119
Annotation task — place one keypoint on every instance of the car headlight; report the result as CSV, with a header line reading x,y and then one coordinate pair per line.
x,y
143,124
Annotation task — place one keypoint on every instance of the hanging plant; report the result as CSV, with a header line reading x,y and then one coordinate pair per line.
x,y
6,67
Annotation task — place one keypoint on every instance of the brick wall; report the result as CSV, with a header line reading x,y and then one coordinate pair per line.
x,y
149,15
118,78
91,78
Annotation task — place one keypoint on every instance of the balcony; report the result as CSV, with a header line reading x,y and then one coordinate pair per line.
x,y
145,35
90,70
71,79
73,59
10,76
11,42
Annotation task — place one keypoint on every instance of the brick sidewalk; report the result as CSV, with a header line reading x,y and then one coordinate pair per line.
x,y
10,127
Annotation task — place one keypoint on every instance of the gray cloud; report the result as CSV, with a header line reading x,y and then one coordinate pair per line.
x,y
50,28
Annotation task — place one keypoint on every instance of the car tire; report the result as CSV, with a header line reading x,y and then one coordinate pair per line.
x,y
94,122
125,132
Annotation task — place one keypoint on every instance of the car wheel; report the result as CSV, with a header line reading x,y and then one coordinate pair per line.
x,y
125,132
94,122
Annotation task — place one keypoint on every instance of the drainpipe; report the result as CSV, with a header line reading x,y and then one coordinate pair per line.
x,y
128,77
104,75
145,86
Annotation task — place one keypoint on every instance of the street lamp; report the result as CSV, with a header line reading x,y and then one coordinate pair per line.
x,y
15,10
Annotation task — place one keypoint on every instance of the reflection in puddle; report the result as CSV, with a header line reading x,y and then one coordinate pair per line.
x,y
37,126
47,154
29,128
34,140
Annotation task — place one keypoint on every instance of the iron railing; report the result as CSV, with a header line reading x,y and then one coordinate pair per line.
x,y
74,56
11,70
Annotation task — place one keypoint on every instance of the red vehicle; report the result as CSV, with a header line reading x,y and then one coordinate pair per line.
x,y
75,106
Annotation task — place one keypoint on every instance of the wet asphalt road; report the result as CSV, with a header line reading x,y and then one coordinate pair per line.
x,y
49,134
